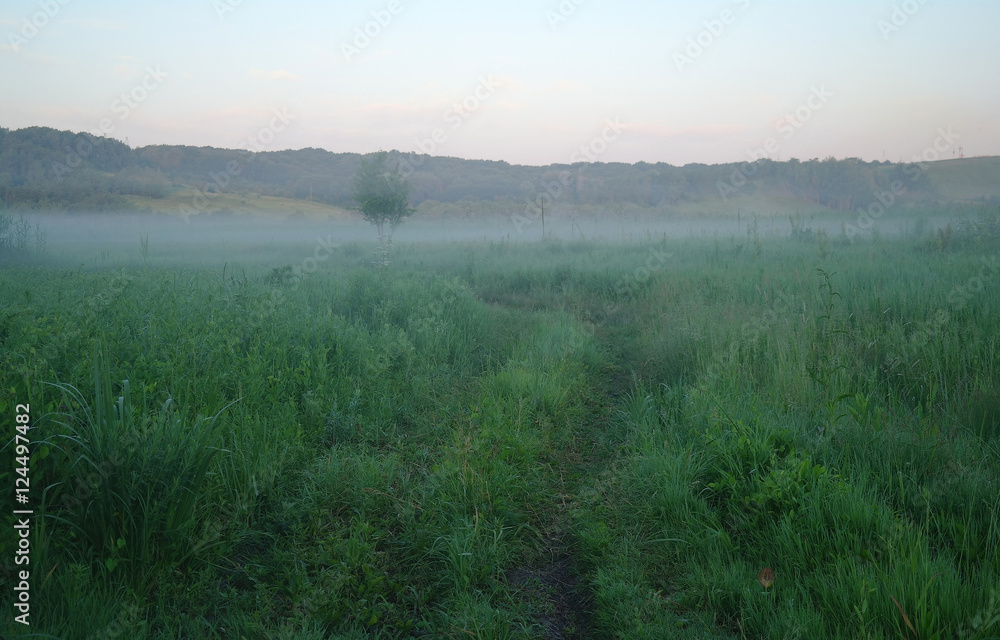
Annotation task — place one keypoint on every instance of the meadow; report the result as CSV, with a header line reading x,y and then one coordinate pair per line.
x,y
559,439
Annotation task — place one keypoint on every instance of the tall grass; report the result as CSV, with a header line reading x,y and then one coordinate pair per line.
x,y
381,453
824,441
143,477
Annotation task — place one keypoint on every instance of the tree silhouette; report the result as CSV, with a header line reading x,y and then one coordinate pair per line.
x,y
381,193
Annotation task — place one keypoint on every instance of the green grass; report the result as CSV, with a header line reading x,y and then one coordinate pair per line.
x,y
965,179
181,199
513,441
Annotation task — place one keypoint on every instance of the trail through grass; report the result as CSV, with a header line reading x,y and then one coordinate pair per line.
x,y
561,440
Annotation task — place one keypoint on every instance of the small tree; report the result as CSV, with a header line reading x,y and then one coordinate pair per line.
x,y
381,193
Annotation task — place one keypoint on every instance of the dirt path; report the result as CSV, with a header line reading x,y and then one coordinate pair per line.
x,y
556,589
554,581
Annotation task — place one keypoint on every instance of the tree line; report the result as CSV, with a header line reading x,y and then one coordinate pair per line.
x,y
44,168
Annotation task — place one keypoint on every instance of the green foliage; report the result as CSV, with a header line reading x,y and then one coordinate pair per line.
x,y
18,238
126,487
757,471
381,192
737,476
46,169
490,437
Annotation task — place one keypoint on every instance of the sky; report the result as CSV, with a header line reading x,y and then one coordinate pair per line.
x,y
524,81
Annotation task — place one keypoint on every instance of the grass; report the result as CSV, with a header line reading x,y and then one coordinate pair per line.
x,y
180,200
962,179
143,476
505,440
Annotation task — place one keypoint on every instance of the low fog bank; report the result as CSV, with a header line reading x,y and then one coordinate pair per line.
x,y
100,239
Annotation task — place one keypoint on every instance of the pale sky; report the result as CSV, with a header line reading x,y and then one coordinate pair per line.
x,y
534,80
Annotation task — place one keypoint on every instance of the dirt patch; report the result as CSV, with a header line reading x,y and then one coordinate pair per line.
x,y
561,606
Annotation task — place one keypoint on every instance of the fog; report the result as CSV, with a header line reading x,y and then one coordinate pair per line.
x,y
104,239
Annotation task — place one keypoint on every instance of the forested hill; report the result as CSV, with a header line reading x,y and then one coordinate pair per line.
x,y
47,169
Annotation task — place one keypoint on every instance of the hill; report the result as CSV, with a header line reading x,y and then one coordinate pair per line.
x,y
47,169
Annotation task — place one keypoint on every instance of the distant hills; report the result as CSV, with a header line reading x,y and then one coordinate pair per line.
x,y
47,169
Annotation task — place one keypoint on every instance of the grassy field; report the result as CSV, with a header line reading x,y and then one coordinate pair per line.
x,y
180,201
503,440
965,179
